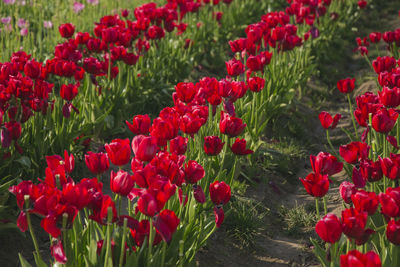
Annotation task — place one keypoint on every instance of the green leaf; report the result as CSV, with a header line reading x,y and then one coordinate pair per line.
x,y
23,262
25,162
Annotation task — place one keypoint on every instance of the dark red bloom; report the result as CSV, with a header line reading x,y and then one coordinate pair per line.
x,y
178,145
393,232
219,215
194,172
256,84
66,30
140,124
198,194
69,92
22,221
362,4
317,185
239,147
213,145
355,258
389,97
121,182
166,224
365,201
375,37
354,152
383,120
119,151
327,121
144,147
346,190
390,202
329,228
220,193
346,86
57,251
391,166
354,222
325,163
97,162
231,125
371,171
32,69
234,67
185,91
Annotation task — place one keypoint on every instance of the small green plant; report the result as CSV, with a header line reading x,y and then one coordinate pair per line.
x,y
297,220
245,220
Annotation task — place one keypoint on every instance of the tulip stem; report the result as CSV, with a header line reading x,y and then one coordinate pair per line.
x,y
108,238
150,243
352,115
122,256
317,207
325,205
28,218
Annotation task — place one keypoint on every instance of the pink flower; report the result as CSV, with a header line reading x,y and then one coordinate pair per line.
x,y
47,24
78,7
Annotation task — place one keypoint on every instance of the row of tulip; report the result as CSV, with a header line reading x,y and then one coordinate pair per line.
x,y
179,158
80,89
370,218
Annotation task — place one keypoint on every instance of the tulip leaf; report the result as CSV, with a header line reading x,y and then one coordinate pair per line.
x,y
24,263
25,162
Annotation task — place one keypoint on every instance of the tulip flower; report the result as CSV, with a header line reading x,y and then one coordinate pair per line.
x,y
239,147
346,86
213,145
220,193
393,232
57,251
365,201
356,258
185,91
22,221
32,69
329,228
166,224
97,163
316,185
121,183
357,178
69,92
198,194
391,166
234,67
354,222
371,171
383,120
390,98
346,190
325,163
140,124
231,126
119,151
178,145
66,30
256,84
144,147
354,152
327,121
390,202
375,37
219,215
194,172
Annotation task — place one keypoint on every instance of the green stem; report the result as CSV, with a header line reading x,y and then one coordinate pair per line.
x,y
149,255
164,249
325,205
352,115
108,238
122,256
28,218
317,207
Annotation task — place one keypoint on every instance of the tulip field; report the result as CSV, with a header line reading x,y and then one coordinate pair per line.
x,y
200,133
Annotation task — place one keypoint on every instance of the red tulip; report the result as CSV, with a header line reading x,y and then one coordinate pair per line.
x,y
234,67
362,3
220,193
383,120
231,126
178,145
239,147
390,98
191,123
346,86
119,151
166,224
140,124
354,152
393,232
354,222
144,147
371,171
101,210
375,37
329,228
69,92
194,172
219,215
32,69
390,202
22,221
365,201
198,194
66,30
121,183
358,179
325,163
327,121
391,166
212,145
346,190
316,185
256,84
186,91
354,258
97,163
